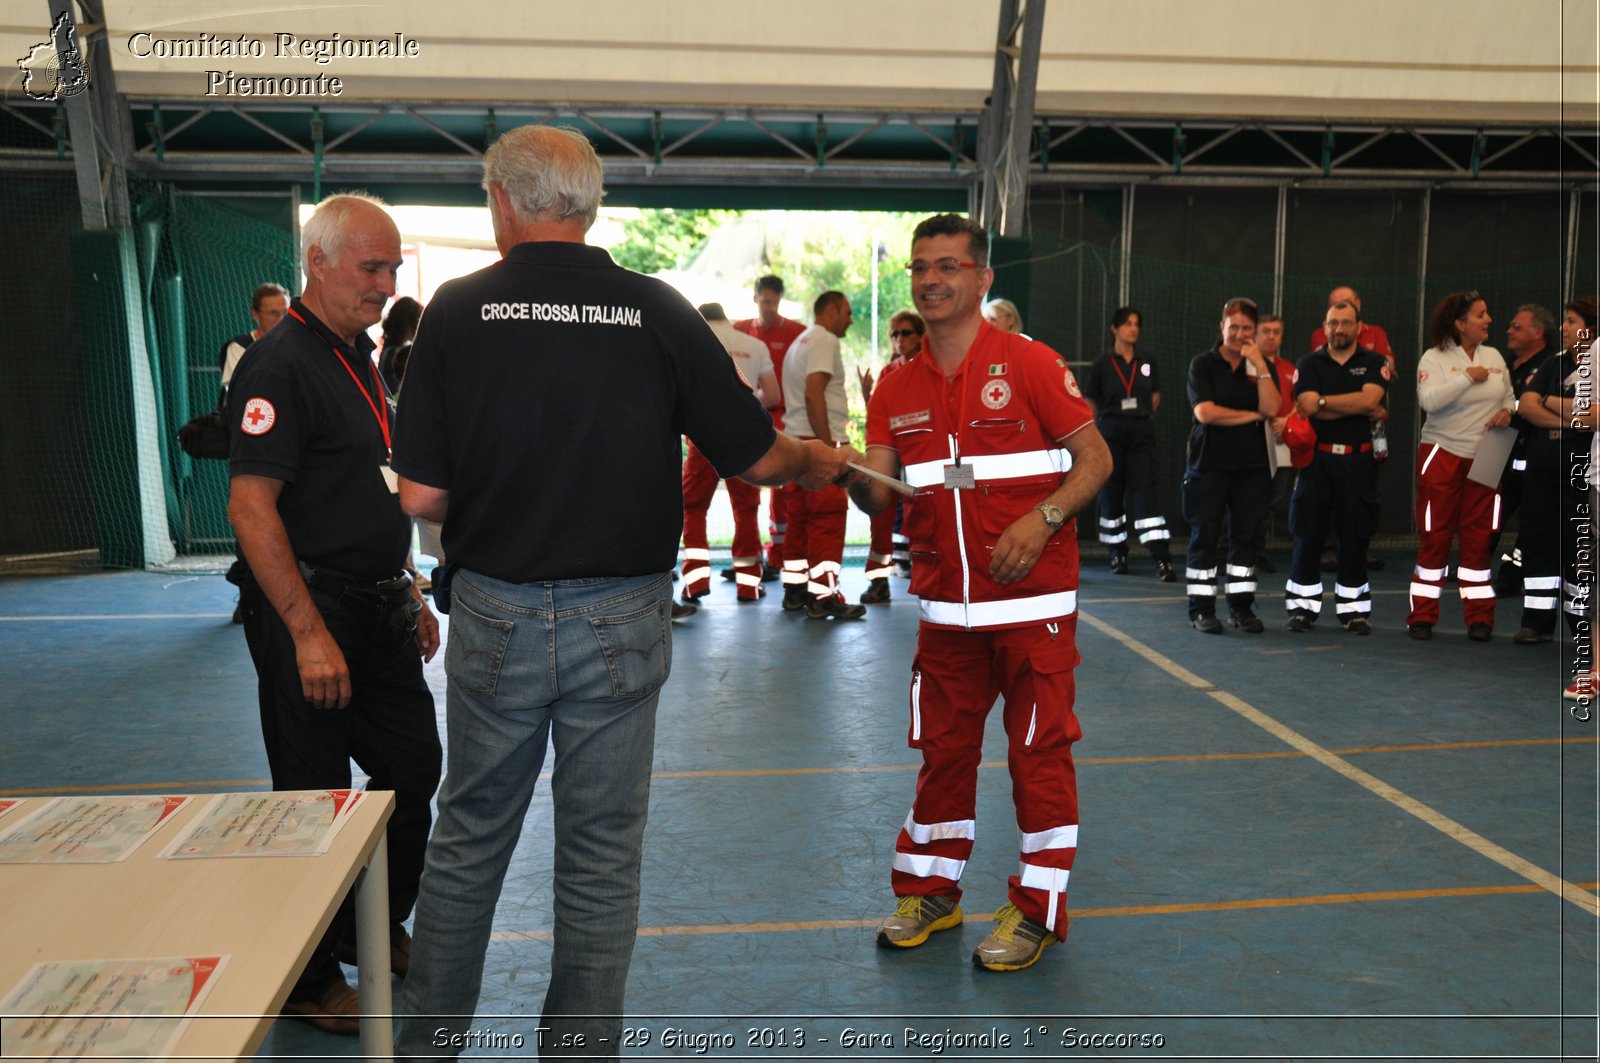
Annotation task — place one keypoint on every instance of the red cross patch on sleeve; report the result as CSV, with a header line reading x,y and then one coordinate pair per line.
x,y
259,417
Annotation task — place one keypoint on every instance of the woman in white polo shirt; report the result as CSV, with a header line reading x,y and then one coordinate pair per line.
x,y
1463,386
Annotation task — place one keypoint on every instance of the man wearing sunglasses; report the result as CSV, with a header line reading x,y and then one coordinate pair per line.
x,y
992,432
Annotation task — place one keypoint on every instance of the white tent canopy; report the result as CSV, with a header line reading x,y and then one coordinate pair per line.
x,y
1463,61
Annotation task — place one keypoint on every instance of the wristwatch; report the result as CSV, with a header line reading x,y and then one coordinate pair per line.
x,y
1322,403
1054,516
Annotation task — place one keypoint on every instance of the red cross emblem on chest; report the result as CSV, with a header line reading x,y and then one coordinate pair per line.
x,y
996,394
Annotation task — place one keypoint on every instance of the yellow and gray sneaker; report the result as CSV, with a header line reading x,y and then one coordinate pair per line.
x,y
915,918
1014,943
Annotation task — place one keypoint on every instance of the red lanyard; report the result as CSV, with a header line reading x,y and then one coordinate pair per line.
x,y
1127,382
380,409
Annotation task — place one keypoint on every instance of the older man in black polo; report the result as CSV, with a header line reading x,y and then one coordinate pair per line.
x,y
336,629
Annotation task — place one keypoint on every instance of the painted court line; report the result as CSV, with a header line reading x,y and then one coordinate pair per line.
x,y
861,769
1247,904
1328,759
1281,754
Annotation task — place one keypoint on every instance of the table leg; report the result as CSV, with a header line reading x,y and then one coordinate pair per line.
x,y
372,953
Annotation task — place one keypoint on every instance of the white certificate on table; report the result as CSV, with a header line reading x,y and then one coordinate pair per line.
x,y
85,830
277,823
117,1009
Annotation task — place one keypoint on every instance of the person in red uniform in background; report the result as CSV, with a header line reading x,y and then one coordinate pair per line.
x,y
992,431
777,332
700,481
905,340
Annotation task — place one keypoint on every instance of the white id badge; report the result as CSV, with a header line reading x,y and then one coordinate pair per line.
x,y
960,477
389,478
1130,403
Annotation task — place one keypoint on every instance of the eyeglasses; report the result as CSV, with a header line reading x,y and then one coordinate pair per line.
x,y
1464,303
898,332
949,267
1236,303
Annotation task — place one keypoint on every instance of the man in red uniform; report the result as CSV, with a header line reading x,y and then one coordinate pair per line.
x,y
777,332
991,430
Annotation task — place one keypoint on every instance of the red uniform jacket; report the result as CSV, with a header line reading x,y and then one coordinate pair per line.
x,y
1003,416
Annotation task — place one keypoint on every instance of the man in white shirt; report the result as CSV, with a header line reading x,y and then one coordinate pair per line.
x,y
700,480
813,380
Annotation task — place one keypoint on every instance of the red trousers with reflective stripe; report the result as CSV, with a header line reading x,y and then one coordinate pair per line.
x,y
777,524
1450,506
816,526
700,481
955,678
881,549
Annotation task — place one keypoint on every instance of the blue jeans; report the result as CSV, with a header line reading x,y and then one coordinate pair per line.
x,y
582,662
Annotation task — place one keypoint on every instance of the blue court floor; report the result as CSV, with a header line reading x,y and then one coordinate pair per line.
x,y
1310,846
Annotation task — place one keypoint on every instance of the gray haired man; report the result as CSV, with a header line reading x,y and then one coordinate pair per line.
x,y
544,403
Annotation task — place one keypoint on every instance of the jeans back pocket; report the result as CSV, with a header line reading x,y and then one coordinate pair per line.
x,y
637,648
476,648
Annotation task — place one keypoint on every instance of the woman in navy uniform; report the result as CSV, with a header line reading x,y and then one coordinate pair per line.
x,y
1125,391
1233,392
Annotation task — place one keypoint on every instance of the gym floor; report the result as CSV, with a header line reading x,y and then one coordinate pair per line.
x,y
1293,846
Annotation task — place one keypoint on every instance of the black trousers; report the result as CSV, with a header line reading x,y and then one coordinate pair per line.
x,y
1338,493
388,729
1237,500
1555,563
1131,487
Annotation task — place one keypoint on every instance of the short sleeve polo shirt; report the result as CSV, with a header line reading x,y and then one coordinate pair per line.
x,y
547,394
1225,448
308,409
1320,373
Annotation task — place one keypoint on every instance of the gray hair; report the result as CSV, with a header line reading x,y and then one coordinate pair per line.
x,y
1543,320
550,173
328,223
1006,306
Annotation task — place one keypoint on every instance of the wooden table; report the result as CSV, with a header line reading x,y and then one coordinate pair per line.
x,y
265,913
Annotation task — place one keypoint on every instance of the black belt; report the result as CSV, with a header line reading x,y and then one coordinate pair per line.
x,y
395,588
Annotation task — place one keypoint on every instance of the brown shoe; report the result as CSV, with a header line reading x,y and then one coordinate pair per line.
x,y
333,1006
399,951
